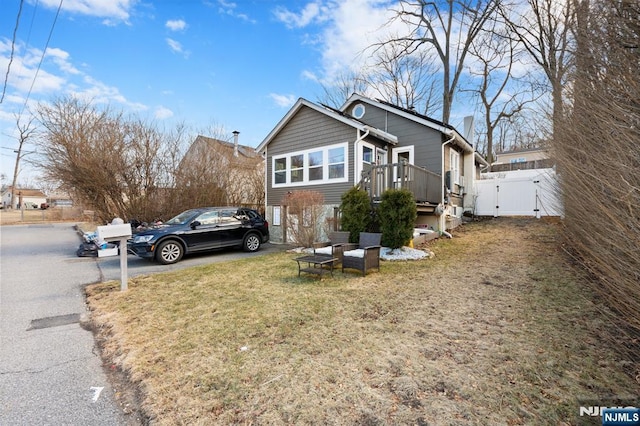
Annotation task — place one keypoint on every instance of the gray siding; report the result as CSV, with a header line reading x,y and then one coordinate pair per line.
x,y
427,142
310,129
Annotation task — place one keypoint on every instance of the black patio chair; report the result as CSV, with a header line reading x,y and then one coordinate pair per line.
x,y
338,242
366,256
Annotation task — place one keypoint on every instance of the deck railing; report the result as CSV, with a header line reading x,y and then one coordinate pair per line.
x,y
425,185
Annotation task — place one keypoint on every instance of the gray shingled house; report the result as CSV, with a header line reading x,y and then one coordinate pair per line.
x,y
373,144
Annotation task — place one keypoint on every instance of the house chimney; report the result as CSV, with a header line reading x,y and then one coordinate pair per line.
x,y
468,129
235,142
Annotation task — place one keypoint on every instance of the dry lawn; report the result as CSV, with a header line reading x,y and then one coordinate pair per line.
x,y
53,214
492,330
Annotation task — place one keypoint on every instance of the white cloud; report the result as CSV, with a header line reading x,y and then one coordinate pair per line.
x,y
230,8
22,75
162,113
309,75
176,25
176,47
61,58
312,13
284,101
112,11
355,25
96,91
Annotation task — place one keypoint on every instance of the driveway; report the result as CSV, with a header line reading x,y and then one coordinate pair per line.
x,y
51,372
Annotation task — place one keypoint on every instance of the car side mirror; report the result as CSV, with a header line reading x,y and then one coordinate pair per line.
x,y
195,224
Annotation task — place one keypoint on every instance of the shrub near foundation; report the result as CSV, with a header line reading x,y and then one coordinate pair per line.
x,y
397,213
356,213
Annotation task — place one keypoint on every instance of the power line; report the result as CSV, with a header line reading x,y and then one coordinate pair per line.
x,y
13,48
44,51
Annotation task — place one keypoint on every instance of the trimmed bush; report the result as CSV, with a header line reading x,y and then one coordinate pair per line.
x,y
356,213
397,214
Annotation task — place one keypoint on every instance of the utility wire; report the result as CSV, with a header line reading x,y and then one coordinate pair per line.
x,y
13,48
44,51
28,40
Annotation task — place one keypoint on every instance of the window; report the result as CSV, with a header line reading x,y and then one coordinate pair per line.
x,y
336,163
297,168
276,215
358,111
208,218
367,154
280,170
454,166
317,166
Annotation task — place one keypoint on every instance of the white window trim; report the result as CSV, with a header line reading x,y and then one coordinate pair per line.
x,y
353,111
454,159
325,167
395,158
359,158
276,215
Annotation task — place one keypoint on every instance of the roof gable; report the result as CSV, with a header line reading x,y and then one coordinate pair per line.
x,y
26,192
243,150
329,112
403,112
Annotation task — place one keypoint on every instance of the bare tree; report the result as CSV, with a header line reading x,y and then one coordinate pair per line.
x,y
409,81
305,212
449,28
341,87
599,158
218,173
108,162
544,29
502,96
26,131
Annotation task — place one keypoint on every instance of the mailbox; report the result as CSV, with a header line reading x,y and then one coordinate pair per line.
x,y
114,232
117,232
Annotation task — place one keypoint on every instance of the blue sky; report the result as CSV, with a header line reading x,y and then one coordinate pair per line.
x,y
208,63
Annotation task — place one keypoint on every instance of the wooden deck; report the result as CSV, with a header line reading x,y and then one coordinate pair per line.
x,y
424,184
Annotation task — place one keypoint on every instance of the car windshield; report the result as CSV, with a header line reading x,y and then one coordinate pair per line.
x,y
182,218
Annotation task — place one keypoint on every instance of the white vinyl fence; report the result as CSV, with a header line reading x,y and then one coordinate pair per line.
x,y
519,193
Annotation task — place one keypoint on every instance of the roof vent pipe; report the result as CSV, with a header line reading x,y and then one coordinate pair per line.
x,y
235,142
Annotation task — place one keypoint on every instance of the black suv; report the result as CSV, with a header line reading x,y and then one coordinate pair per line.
x,y
198,230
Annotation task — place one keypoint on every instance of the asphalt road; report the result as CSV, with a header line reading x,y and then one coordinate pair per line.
x,y
50,370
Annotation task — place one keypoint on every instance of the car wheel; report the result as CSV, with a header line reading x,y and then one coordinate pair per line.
x,y
169,252
251,242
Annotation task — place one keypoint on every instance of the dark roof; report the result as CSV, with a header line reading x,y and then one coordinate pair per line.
x,y
417,114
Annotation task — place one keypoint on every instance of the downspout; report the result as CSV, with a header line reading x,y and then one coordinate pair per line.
x,y
355,153
440,219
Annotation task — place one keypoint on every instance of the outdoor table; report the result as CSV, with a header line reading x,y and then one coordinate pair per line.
x,y
316,264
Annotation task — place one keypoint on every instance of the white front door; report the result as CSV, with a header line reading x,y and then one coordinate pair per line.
x,y
404,153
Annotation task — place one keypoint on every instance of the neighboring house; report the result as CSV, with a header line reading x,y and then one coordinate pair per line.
x,y
522,159
27,198
373,144
238,170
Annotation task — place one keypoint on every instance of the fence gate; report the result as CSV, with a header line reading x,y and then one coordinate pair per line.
x,y
519,193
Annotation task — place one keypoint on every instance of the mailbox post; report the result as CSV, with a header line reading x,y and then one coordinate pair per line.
x,y
121,233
